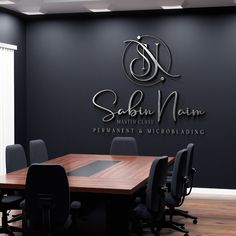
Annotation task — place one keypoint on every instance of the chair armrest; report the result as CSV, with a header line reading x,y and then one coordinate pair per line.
x,y
164,188
169,179
168,182
74,209
190,184
186,179
137,200
22,204
75,205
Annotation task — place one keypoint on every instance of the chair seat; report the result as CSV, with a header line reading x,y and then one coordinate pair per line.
x,y
170,201
141,211
11,201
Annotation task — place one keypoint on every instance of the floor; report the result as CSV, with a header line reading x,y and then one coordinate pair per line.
x,y
216,218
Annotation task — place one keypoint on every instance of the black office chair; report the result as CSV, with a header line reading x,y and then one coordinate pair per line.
x,y
37,151
190,172
150,213
124,146
15,159
47,207
175,197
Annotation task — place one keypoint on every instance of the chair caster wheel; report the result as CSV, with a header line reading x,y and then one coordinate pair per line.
x,y
195,221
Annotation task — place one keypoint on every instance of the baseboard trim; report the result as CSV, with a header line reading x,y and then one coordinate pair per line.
x,y
213,193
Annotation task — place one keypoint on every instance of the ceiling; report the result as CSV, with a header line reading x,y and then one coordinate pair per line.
x,y
73,6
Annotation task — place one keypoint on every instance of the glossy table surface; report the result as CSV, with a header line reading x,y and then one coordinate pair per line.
x,y
125,175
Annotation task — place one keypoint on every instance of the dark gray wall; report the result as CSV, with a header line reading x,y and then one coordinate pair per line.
x,y
13,31
70,58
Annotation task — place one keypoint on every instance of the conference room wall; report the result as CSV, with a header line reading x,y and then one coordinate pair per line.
x,y
13,31
71,58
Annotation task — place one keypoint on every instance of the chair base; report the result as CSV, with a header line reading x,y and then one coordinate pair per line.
x,y
175,226
9,230
178,212
138,229
172,224
15,218
185,214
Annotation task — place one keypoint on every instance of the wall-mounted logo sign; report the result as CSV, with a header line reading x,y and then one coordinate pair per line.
x,y
134,108
147,60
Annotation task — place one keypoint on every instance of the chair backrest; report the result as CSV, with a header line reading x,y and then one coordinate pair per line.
x,y
178,184
38,151
124,146
15,158
189,164
47,197
156,182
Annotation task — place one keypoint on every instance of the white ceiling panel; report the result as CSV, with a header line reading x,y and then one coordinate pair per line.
x,y
208,3
72,6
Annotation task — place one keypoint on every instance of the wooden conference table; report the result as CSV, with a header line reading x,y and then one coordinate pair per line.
x,y
116,178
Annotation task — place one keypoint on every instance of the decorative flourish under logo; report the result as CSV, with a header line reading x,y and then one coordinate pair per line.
x,y
144,58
